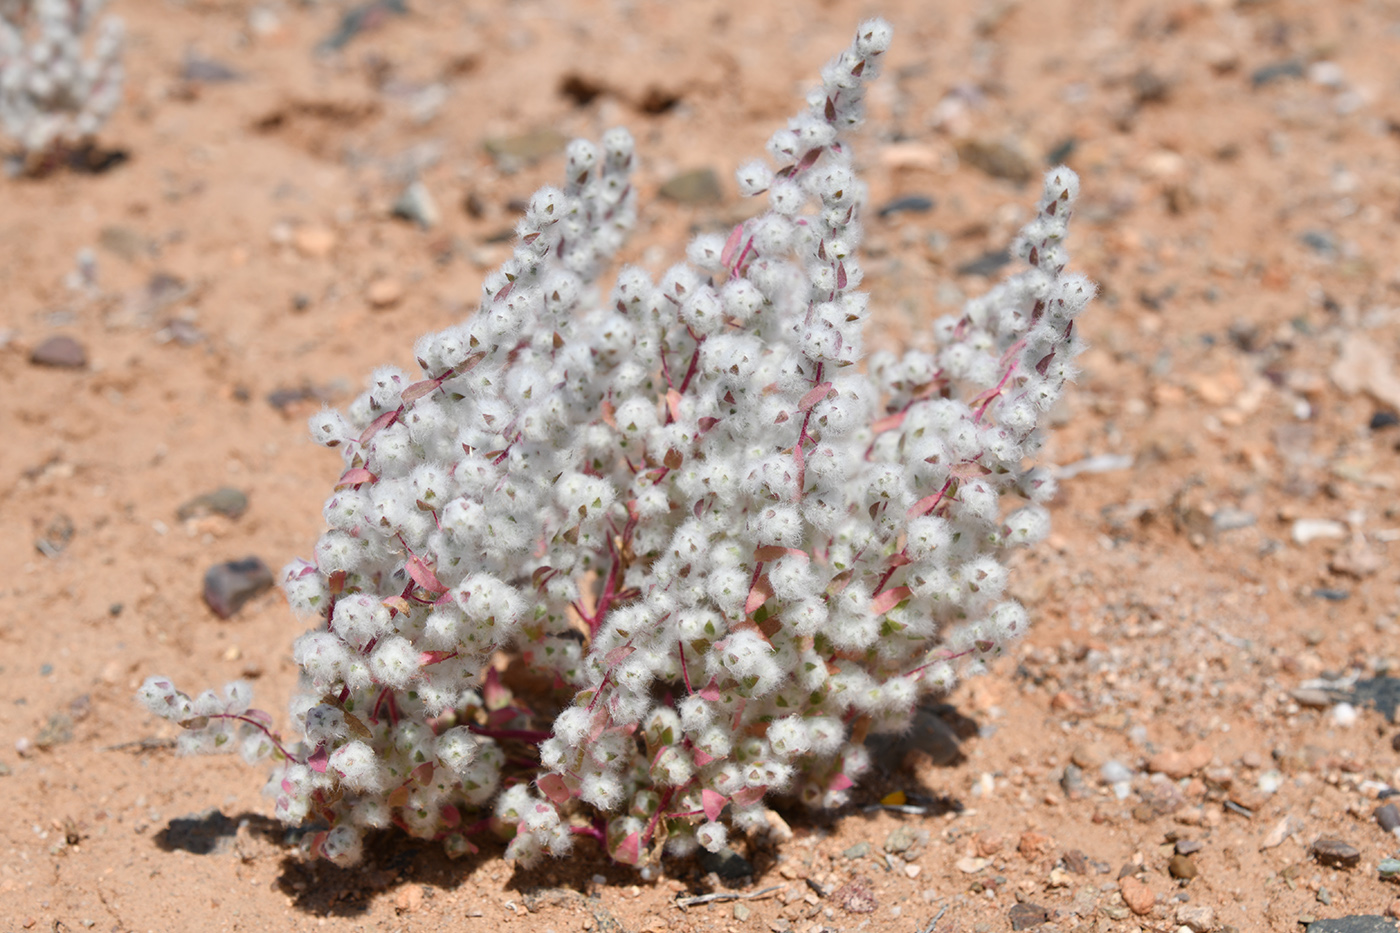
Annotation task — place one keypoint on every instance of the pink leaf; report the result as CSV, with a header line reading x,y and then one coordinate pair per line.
x,y
423,575
888,423
713,802
750,795
774,551
813,396
701,759
711,691
423,773
419,389
730,245
840,275
318,760
317,841
889,599
354,477
553,787
629,850
378,424
434,657
924,505
841,782
759,595
618,655
259,716
451,817
397,603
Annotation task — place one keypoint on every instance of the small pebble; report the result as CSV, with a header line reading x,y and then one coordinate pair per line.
x,y
1188,846
859,850
416,205
1115,772
228,586
1181,868
1388,816
913,204
61,352
1384,419
699,186
1335,853
1198,918
384,292
225,501
314,242
1344,715
1024,916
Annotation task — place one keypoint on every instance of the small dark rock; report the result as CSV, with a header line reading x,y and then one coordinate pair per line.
x,y
57,731
1384,419
728,864
698,186
911,204
1395,741
225,501
228,586
1335,853
1149,87
1320,242
1024,916
1388,816
1268,74
57,534
60,352
1331,594
1381,692
1181,868
986,264
1061,152
1357,923
208,71
1076,861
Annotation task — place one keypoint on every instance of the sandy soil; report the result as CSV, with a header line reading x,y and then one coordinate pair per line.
x,y
1239,165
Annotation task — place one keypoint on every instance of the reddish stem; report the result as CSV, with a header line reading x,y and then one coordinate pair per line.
x,y
272,737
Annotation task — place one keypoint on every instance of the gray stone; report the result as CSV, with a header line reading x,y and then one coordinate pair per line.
x,y
699,186
60,352
225,501
228,586
1357,923
1381,692
859,850
416,204
1388,816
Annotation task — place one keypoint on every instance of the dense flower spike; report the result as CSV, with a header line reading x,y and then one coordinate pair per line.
x,y
50,95
730,550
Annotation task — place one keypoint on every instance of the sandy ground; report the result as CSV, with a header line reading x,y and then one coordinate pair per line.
x,y
1241,203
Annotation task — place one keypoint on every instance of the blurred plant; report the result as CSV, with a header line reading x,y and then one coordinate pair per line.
x,y
708,552
52,99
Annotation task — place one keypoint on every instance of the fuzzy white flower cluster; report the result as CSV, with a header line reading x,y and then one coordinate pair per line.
x,y
623,568
50,95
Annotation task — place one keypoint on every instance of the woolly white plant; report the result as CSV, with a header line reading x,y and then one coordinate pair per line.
x,y
51,96
729,549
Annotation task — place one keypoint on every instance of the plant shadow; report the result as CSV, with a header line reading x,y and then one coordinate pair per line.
x,y
394,861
